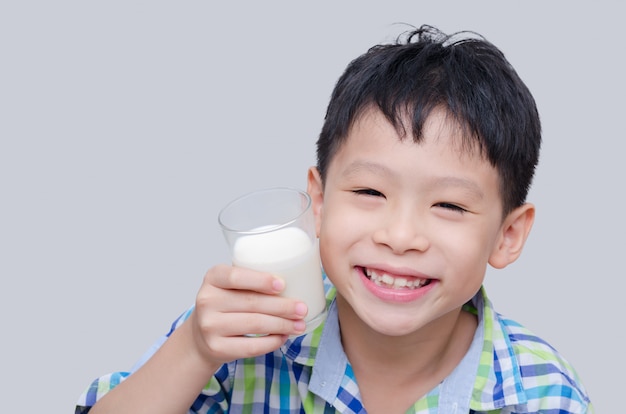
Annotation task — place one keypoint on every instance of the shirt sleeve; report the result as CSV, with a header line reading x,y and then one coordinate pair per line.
x,y
102,385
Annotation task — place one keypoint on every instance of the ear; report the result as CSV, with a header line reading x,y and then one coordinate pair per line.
x,y
315,188
513,235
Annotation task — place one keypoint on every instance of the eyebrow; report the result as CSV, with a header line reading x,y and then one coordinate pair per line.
x,y
359,166
470,186
449,181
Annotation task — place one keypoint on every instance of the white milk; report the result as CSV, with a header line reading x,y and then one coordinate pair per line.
x,y
290,254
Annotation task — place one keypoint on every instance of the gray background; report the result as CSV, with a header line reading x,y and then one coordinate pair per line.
x,y
126,125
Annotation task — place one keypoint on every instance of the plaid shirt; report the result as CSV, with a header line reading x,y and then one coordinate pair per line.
x,y
506,370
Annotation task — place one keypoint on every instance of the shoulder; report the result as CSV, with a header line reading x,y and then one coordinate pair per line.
x,y
519,372
546,378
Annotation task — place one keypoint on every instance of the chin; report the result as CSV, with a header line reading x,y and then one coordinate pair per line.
x,y
390,324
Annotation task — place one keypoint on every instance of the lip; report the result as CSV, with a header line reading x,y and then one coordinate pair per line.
x,y
393,295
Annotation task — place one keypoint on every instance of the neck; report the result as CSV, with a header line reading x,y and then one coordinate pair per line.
x,y
431,352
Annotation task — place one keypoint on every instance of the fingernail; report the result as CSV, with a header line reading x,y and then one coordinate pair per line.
x,y
278,285
299,326
301,309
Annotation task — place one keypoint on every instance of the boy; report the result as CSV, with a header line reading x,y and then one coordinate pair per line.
x,y
425,159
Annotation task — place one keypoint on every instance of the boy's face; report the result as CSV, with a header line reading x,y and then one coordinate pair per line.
x,y
406,230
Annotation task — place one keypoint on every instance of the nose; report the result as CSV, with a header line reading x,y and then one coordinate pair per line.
x,y
402,231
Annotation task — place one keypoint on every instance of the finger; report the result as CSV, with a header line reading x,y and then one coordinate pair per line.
x,y
253,302
237,347
219,342
243,324
239,278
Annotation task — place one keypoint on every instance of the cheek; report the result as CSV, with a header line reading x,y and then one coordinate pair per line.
x,y
340,228
332,231
342,222
329,247
468,249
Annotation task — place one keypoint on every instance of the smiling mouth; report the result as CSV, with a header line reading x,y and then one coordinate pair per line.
x,y
394,282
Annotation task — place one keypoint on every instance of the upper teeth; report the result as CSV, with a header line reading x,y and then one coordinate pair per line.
x,y
384,279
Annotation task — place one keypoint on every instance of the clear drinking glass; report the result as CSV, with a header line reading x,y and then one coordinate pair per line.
x,y
273,230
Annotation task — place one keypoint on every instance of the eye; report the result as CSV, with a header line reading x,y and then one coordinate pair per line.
x,y
451,207
368,192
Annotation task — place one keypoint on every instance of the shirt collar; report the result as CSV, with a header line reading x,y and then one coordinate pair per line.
x,y
497,383
330,366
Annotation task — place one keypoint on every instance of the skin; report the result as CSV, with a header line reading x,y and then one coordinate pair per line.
x,y
425,211
428,212
231,302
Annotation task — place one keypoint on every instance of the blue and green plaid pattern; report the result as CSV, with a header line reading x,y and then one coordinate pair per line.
x,y
518,373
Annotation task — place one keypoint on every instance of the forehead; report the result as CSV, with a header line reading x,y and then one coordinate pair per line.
x,y
376,146
440,126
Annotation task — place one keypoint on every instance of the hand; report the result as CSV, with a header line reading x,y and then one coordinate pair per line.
x,y
233,302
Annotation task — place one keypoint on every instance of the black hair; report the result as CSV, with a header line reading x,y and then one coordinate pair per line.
x,y
462,73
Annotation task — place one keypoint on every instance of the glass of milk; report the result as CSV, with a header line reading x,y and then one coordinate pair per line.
x,y
273,230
